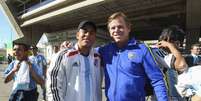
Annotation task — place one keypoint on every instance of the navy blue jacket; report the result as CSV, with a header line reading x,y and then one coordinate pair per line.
x,y
126,70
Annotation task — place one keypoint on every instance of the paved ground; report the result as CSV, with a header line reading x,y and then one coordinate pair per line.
x,y
5,89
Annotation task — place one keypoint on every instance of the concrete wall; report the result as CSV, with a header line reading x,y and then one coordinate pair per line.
x,y
193,21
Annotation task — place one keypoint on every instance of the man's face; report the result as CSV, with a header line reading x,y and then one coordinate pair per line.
x,y
86,37
19,52
119,30
195,50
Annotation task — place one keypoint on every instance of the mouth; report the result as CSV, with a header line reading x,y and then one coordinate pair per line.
x,y
86,41
117,36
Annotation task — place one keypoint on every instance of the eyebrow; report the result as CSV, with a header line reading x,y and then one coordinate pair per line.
x,y
16,49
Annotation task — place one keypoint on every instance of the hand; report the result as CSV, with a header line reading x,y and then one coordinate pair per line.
x,y
65,44
16,68
29,64
164,44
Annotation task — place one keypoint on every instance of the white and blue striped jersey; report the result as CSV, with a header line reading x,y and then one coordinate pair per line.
x,y
74,77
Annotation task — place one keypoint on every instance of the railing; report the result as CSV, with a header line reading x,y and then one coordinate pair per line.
x,y
40,4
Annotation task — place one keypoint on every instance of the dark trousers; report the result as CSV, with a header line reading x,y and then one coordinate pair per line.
x,y
21,95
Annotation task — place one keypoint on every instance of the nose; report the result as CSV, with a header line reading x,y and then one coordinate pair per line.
x,y
87,33
116,29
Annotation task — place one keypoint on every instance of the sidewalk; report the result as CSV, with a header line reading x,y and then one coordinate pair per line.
x,y
5,89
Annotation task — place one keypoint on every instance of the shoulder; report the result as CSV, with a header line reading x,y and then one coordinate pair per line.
x,y
11,65
106,47
71,53
67,53
143,47
31,57
189,57
41,56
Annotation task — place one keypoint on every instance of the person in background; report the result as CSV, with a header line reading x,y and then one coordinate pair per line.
x,y
25,75
194,59
55,51
170,41
75,73
40,60
128,64
10,58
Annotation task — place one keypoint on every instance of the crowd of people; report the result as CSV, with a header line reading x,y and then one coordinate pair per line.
x,y
132,70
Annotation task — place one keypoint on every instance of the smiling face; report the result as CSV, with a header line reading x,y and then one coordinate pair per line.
x,y
86,37
119,30
19,52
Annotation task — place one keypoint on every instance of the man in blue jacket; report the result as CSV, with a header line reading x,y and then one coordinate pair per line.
x,y
128,65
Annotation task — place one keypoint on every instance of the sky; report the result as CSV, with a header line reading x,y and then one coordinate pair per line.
x,y
6,33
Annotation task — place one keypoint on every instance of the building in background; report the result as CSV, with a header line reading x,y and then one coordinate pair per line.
x,y
2,55
33,18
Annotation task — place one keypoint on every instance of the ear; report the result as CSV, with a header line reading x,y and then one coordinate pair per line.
x,y
77,35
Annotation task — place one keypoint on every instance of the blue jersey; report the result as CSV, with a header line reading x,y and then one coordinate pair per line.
x,y
126,72
40,61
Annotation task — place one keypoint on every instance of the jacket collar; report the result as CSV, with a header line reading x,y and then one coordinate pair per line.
x,y
132,42
91,52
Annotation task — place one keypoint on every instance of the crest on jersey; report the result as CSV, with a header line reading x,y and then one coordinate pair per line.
x,y
75,64
131,55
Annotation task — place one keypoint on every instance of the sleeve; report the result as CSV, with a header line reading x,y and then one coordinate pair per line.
x,y
55,79
8,69
184,85
155,75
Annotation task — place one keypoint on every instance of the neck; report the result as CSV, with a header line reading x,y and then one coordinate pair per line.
x,y
122,44
24,58
194,54
84,50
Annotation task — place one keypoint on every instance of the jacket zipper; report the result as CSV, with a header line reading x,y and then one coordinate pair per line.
x,y
116,68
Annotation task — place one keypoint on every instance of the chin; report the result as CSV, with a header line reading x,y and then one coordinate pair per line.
x,y
85,45
117,40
